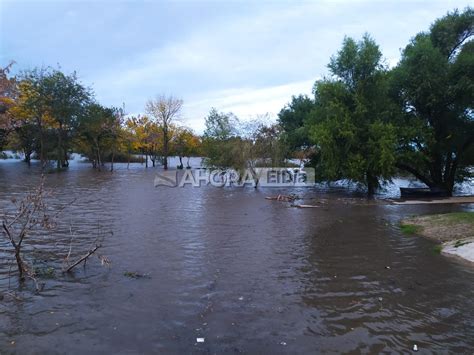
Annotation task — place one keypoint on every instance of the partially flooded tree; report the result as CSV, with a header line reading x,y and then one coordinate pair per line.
x,y
434,86
185,144
219,139
242,146
350,124
55,102
144,136
165,110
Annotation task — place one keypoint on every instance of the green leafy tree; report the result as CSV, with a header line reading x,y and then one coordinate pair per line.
x,y
434,85
350,122
292,119
94,133
219,139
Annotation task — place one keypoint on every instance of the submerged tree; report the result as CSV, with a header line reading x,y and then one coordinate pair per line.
x,y
31,215
434,84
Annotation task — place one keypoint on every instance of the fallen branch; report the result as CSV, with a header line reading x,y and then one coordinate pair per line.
x,y
305,206
284,198
83,258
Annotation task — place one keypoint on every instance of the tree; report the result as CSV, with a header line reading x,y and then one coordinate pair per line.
x,y
93,131
220,125
269,145
434,86
242,146
8,98
292,120
144,136
165,110
350,124
54,101
115,134
219,139
185,144
30,215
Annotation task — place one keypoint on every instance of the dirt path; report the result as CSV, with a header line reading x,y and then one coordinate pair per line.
x,y
449,200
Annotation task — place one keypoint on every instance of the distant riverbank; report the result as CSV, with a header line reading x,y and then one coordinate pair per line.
x,y
453,231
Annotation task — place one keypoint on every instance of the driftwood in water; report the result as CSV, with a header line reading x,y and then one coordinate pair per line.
x,y
284,198
306,206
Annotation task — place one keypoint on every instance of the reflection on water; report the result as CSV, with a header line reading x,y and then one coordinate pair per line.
x,y
245,273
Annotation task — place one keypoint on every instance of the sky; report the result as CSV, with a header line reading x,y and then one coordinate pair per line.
x,y
245,57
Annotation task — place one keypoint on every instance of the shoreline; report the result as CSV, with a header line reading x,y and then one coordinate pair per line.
x,y
453,232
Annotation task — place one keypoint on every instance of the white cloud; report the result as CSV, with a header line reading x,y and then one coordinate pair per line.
x,y
264,57
245,102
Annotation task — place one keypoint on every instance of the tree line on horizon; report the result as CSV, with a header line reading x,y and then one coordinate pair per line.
x,y
365,122
47,114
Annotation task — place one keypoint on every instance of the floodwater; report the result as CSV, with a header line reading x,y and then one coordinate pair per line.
x,y
225,264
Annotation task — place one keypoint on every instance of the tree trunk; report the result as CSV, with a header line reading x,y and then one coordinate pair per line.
x,y
19,263
27,156
372,184
41,136
99,162
112,161
60,154
165,149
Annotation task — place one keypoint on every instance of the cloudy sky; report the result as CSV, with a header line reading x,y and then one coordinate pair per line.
x,y
247,57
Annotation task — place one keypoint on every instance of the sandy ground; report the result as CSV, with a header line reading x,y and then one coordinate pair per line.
x,y
464,251
456,237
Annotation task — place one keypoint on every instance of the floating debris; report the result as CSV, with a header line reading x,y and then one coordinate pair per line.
x,y
199,340
136,275
284,198
305,206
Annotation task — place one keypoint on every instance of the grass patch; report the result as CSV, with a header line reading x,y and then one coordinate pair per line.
x,y
410,229
453,218
437,249
459,217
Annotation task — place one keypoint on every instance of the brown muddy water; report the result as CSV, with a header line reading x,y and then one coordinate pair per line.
x,y
224,264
